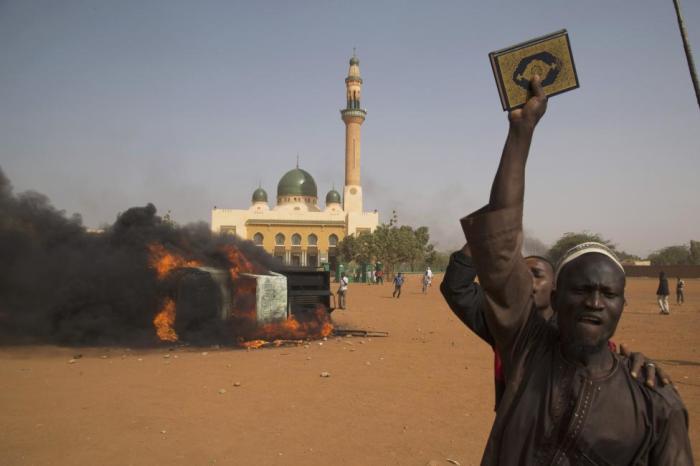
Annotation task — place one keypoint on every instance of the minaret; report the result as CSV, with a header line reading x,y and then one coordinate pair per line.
x,y
353,116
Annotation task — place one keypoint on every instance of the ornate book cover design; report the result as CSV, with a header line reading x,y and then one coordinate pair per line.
x,y
548,56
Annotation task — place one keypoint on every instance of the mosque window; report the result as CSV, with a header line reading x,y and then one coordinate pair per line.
x,y
258,239
228,230
312,239
333,241
279,239
296,239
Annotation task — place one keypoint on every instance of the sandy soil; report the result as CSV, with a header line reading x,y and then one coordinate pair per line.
x,y
423,394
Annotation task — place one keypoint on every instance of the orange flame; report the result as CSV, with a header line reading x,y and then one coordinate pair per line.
x,y
318,327
165,320
239,263
253,344
163,261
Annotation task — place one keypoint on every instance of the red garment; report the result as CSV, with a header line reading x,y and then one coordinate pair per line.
x,y
498,367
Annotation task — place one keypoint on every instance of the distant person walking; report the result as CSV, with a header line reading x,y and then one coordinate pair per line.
x,y
342,290
427,280
398,283
680,286
662,293
380,277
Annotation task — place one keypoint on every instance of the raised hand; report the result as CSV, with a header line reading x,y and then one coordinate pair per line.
x,y
529,115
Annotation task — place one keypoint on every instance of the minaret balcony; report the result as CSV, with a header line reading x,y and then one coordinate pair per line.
x,y
353,113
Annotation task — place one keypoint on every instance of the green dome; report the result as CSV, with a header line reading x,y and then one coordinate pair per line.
x,y
333,197
354,60
297,182
259,195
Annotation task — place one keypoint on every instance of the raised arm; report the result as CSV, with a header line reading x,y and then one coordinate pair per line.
x,y
508,189
495,231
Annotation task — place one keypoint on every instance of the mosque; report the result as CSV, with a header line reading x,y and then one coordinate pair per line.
x,y
296,230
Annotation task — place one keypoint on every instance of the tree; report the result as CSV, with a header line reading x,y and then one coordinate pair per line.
x,y
390,244
437,260
695,252
569,240
358,249
671,255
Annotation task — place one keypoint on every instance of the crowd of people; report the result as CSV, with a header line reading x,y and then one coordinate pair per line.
x,y
377,277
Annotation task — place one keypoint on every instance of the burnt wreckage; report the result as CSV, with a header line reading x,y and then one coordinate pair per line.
x,y
206,296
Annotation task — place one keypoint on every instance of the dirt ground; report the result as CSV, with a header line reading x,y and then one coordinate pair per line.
x,y
423,394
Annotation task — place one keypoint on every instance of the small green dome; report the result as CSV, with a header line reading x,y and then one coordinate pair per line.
x,y
297,182
333,197
354,60
259,195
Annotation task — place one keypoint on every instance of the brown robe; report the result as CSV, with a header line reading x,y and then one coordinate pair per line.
x,y
553,412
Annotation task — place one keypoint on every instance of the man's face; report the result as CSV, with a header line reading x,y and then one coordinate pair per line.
x,y
589,299
542,281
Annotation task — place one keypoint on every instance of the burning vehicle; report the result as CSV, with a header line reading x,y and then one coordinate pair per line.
x,y
249,304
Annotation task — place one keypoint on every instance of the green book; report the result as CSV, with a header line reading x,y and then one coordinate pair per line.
x,y
547,56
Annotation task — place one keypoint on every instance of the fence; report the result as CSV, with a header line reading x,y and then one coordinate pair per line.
x,y
672,271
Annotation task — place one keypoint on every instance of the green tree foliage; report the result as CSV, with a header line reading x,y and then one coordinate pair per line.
x,y
437,260
672,255
695,252
358,249
391,244
569,240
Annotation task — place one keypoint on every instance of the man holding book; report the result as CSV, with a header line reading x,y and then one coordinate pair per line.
x,y
569,400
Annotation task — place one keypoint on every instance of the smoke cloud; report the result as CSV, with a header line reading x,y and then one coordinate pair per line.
x,y
533,246
60,283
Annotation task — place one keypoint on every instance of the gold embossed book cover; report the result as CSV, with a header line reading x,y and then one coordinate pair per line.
x,y
547,56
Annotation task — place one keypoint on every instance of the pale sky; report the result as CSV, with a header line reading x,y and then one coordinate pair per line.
x,y
108,105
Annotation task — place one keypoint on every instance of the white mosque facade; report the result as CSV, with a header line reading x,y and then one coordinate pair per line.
x,y
297,230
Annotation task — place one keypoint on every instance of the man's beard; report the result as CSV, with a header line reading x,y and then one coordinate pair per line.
x,y
581,349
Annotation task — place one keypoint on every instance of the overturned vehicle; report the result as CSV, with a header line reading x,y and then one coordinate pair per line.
x,y
208,303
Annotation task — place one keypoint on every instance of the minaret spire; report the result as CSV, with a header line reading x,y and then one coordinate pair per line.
x,y
353,116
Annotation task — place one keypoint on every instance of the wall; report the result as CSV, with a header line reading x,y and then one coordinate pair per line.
x,y
672,271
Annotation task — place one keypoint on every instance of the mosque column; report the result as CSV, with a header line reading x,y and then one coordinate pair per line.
x,y
353,116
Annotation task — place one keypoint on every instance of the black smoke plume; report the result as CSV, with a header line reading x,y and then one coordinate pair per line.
x,y
60,283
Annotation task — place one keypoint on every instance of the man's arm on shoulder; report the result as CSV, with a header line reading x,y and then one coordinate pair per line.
x,y
464,295
495,232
